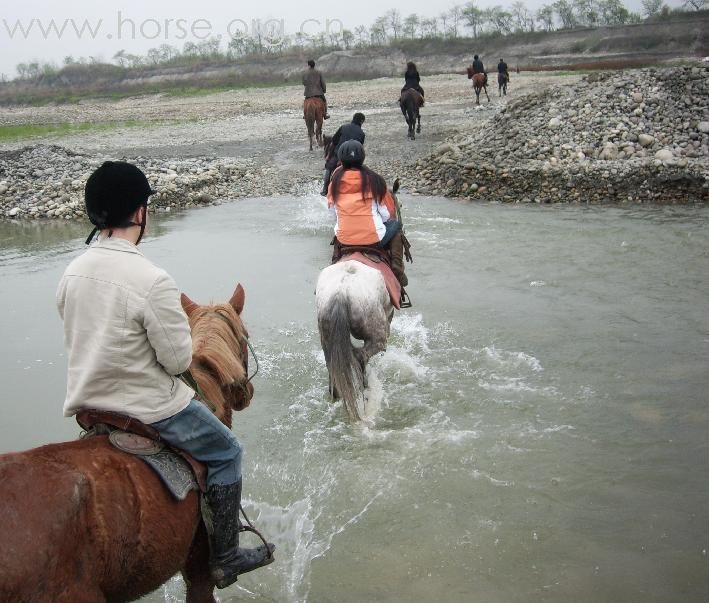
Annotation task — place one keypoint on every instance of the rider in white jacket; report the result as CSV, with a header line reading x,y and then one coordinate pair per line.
x,y
127,338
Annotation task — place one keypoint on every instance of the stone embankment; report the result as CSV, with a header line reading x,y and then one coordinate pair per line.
x,y
630,136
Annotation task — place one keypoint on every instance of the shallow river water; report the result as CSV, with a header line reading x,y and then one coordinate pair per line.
x,y
540,426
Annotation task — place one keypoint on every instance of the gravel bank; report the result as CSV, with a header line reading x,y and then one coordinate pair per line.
x,y
635,136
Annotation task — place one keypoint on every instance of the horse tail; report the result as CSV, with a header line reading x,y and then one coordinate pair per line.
x,y
345,370
410,102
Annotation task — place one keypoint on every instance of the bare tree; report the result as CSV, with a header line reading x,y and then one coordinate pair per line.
x,y
545,15
456,17
411,25
474,18
429,27
347,38
652,8
499,19
393,18
443,17
521,17
362,35
566,13
695,4
378,31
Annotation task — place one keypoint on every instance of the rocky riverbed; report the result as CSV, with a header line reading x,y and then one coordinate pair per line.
x,y
638,136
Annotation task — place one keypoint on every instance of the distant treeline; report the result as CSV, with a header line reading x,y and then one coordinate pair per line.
x,y
460,22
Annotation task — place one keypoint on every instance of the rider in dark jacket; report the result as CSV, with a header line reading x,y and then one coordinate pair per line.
x,y
350,131
412,79
478,65
502,68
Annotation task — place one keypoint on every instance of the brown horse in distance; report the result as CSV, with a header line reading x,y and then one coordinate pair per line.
x,y
480,83
314,113
411,102
83,522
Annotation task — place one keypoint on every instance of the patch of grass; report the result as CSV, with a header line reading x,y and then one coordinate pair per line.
x,y
24,131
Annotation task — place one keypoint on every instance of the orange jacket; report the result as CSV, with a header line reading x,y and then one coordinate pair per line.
x,y
359,221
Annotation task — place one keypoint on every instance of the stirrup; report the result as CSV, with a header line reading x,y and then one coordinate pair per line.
x,y
405,300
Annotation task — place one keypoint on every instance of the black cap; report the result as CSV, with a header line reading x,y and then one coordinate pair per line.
x,y
113,192
351,153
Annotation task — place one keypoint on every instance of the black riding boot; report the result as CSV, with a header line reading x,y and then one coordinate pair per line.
x,y
227,559
326,182
396,248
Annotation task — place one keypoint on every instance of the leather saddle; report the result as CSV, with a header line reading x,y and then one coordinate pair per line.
x,y
135,437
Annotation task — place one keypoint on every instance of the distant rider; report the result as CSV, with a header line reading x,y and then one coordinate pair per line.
x,y
412,79
315,85
365,209
478,67
350,131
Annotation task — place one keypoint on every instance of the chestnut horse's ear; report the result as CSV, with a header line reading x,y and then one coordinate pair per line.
x,y
188,305
238,298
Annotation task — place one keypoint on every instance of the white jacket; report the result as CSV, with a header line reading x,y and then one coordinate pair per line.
x,y
125,333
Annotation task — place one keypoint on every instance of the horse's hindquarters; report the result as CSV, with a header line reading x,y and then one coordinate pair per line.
x,y
352,301
87,515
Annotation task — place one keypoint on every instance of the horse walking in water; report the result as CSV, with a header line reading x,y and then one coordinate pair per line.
x,y
502,79
314,113
352,301
411,102
480,83
83,522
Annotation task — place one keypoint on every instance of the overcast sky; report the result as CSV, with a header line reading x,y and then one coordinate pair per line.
x,y
146,25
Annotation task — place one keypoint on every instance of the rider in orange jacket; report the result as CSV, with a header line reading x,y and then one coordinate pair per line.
x,y
365,209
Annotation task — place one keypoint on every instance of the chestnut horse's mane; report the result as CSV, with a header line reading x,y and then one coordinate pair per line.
x,y
218,341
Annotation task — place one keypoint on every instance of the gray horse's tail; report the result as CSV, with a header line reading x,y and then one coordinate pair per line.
x,y
346,375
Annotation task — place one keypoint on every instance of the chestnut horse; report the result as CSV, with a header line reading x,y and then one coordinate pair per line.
x,y
480,83
411,102
314,113
84,522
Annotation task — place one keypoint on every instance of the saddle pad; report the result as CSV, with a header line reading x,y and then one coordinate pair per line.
x,y
392,283
174,471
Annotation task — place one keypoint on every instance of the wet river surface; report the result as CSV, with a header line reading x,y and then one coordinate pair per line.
x,y
540,421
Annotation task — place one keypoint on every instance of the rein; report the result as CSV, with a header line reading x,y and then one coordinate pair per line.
x,y
188,378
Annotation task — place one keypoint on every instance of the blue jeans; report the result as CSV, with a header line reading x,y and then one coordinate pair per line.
x,y
392,227
199,433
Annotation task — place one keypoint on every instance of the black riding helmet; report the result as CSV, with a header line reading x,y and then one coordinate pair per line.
x,y
112,194
351,153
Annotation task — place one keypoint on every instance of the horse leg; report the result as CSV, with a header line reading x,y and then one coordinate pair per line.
x,y
418,119
486,94
200,585
477,97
